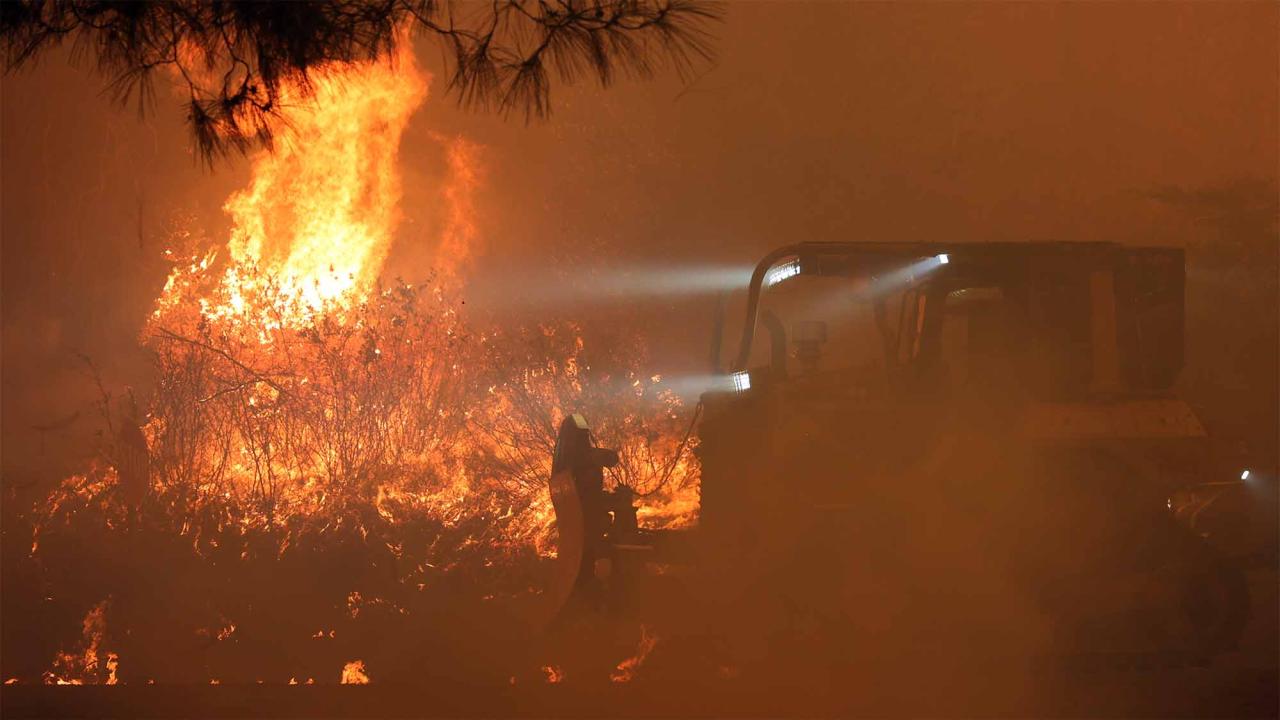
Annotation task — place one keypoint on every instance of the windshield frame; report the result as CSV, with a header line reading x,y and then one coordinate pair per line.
x,y
821,258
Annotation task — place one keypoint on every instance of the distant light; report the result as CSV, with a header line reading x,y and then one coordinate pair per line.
x,y
741,381
1244,475
943,259
781,272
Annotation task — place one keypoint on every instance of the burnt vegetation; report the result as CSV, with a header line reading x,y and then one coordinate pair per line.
x,y
234,59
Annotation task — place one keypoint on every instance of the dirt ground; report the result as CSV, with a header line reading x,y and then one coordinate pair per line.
x,y
1242,683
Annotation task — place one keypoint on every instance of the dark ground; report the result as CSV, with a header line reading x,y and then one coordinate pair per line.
x,y
1243,683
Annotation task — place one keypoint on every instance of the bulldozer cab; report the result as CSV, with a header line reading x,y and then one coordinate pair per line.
x,y
1046,321
871,374
862,360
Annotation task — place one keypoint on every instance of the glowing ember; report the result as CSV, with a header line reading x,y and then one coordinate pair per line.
x,y
554,673
226,631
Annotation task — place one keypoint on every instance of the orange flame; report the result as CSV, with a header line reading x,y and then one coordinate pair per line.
x,y
86,668
289,389
353,673
321,208
627,669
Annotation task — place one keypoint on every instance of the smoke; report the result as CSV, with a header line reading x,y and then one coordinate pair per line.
x,y
638,206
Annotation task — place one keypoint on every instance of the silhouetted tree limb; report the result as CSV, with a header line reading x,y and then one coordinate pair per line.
x,y
234,56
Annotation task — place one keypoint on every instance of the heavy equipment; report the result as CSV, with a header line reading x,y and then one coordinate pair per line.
x,y
930,448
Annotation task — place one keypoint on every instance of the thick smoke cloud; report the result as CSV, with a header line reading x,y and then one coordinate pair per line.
x,y
970,122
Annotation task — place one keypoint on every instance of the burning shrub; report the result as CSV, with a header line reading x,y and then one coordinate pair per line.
x,y
290,408
329,468
372,465
538,375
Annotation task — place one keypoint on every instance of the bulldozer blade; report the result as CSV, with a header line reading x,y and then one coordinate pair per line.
x,y
570,546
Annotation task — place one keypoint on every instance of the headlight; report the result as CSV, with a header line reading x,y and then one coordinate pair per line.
x,y
943,259
778,273
1244,475
741,381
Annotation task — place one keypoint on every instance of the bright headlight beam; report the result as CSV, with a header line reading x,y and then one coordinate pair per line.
x,y
741,381
547,286
1244,475
896,279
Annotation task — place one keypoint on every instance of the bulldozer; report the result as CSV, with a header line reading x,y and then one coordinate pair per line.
x,y
922,450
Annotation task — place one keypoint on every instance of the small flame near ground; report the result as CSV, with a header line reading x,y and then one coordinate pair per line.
x,y
85,667
554,673
354,673
627,669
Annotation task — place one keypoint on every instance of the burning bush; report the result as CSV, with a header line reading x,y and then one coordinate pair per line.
x,y
329,470
340,470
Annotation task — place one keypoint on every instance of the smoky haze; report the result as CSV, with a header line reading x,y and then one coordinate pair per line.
x,y
859,121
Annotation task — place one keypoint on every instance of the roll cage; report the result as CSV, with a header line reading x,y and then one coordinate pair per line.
x,y
1127,301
